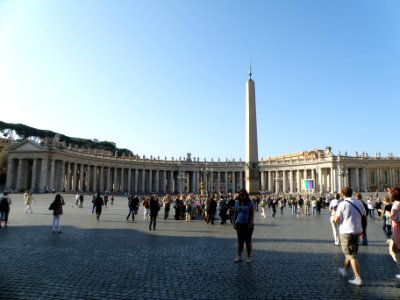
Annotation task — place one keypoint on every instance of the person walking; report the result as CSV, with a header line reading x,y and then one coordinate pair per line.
x,y
348,215
5,204
244,225
167,205
387,222
364,223
131,206
263,204
57,207
223,209
154,207
371,207
98,203
211,209
335,227
231,209
394,244
81,199
28,202
146,208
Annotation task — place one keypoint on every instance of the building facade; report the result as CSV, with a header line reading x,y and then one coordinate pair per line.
x,y
52,166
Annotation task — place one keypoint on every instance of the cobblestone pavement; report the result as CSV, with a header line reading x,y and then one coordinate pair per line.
x,y
294,258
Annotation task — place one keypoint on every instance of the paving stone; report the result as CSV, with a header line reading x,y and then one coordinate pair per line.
x,y
294,258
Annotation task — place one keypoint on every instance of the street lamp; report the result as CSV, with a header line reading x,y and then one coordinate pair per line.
x,y
206,171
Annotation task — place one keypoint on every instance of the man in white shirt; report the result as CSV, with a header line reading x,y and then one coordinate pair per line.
x,y
348,215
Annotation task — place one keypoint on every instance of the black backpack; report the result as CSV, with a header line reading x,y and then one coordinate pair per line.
x,y
4,206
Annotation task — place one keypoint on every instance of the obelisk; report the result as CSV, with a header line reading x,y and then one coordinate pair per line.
x,y
252,173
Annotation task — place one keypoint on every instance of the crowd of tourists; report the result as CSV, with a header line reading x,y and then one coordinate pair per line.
x,y
349,215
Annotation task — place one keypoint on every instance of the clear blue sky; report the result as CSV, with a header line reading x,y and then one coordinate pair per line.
x,y
167,77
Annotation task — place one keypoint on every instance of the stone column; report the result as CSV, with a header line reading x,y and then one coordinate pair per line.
x,y
43,176
68,177
262,174
19,186
357,180
61,186
108,179
10,174
143,181
193,182
171,180
298,181
129,180
102,188
269,180
151,185
80,183
218,181
88,178
123,180
164,182
157,187
74,177
284,181
320,184
291,182
233,182
34,175
136,183
94,186
115,180
379,178
241,180
276,182
52,170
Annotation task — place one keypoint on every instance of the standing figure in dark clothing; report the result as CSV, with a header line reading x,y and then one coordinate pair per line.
x,y
231,209
154,208
131,206
98,203
211,209
223,209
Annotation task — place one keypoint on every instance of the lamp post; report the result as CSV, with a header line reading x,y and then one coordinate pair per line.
x,y
206,171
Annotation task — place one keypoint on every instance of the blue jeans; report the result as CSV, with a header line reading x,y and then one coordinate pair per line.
x,y
371,213
152,222
131,212
314,210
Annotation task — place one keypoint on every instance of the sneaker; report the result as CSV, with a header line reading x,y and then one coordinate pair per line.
x,y
356,281
398,276
238,259
342,272
248,260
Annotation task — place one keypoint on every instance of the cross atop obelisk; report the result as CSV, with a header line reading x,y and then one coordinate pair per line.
x,y
252,174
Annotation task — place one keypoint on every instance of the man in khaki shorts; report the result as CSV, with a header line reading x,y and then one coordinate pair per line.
x,y
348,215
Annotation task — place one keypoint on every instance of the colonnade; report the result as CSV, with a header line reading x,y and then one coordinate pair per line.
x,y
330,179
42,168
43,174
